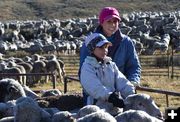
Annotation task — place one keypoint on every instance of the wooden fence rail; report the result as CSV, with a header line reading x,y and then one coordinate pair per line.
x,y
32,74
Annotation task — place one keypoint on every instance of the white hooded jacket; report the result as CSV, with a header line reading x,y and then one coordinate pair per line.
x,y
101,79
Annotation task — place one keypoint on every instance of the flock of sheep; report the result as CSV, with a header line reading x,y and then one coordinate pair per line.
x,y
19,103
150,31
32,64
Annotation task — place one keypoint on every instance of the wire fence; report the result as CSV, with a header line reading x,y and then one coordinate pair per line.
x,y
166,64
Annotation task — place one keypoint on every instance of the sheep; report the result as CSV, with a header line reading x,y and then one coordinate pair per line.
x,y
28,68
53,66
38,67
73,47
51,111
34,49
98,116
163,44
22,69
51,92
138,45
142,102
6,109
27,110
1,56
35,57
50,48
30,93
135,116
88,109
3,46
63,116
135,102
108,107
62,65
157,23
5,69
10,89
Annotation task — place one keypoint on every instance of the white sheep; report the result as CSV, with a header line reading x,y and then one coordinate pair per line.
x,y
51,92
88,109
6,109
136,116
99,116
63,116
108,107
10,89
30,93
51,111
136,102
142,102
27,110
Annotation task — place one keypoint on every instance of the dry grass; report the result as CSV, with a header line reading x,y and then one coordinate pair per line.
x,y
163,83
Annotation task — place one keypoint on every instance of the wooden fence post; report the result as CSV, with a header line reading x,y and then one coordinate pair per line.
x,y
172,62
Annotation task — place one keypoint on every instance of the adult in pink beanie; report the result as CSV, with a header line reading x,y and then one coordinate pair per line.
x,y
122,51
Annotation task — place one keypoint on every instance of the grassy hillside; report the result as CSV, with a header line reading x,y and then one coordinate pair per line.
x,y
63,9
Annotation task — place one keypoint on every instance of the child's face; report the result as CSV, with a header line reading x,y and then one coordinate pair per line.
x,y
101,52
110,26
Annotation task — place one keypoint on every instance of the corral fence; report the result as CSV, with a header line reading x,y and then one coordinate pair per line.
x,y
159,64
74,78
140,88
32,74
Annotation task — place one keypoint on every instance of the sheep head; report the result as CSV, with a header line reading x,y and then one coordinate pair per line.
x,y
142,102
10,89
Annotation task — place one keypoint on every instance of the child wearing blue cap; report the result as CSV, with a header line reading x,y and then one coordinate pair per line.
x,y
100,77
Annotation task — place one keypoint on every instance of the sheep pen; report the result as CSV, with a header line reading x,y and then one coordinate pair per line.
x,y
151,82
51,39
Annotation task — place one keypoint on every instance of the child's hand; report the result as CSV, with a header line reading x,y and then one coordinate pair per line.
x,y
135,83
115,100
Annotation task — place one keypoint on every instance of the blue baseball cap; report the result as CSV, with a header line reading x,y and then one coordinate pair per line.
x,y
96,40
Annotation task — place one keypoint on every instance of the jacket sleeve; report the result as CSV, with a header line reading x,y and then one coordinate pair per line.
x,y
122,84
92,84
132,68
83,54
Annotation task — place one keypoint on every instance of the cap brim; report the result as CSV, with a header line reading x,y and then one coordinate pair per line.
x,y
101,43
112,16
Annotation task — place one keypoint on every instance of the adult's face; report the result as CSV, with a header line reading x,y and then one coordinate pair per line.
x,y
110,26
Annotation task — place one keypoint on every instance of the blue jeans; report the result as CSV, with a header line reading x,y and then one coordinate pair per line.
x,y
85,96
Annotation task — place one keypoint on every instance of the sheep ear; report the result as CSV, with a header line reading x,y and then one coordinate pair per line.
x,y
12,89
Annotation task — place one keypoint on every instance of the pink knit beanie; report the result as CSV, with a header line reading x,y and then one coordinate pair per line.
x,y
108,13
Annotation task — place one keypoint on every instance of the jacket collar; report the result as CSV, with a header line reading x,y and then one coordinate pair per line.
x,y
93,61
